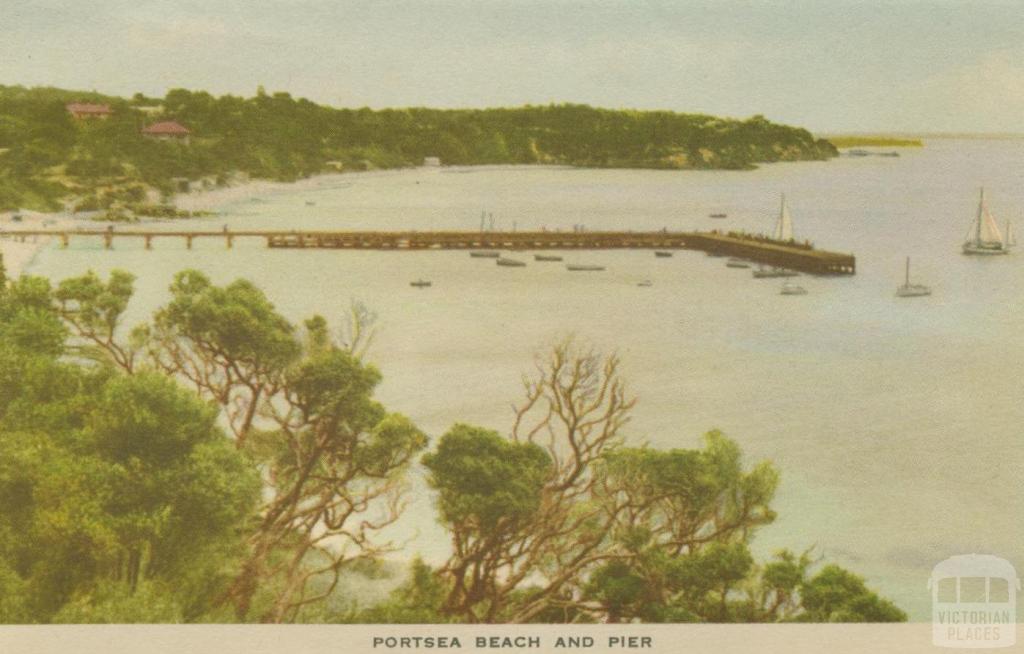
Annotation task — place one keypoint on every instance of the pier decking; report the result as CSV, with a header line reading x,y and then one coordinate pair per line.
x,y
785,255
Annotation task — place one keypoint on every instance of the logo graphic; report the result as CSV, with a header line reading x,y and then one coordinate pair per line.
x,y
974,602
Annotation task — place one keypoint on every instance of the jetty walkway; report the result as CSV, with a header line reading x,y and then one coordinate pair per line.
x,y
790,255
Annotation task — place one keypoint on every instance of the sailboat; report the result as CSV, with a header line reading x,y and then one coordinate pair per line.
x,y
984,236
912,290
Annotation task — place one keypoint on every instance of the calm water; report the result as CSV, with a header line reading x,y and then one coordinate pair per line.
x,y
896,423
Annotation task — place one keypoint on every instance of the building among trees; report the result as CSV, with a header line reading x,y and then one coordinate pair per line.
x,y
168,130
89,110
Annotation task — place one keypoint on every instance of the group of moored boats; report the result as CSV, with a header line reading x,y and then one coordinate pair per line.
x,y
983,238
509,262
770,272
782,232
517,263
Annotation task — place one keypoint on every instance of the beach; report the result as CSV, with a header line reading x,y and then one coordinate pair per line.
x,y
215,198
18,255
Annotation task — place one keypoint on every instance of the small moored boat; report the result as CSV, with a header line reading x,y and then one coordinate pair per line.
x,y
789,288
737,263
912,290
645,283
547,257
484,254
420,283
583,268
512,263
662,253
717,215
763,272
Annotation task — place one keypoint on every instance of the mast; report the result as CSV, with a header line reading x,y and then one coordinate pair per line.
x,y
907,281
981,211
784,225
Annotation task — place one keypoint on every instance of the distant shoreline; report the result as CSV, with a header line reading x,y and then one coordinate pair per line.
x,y
924,136
842,142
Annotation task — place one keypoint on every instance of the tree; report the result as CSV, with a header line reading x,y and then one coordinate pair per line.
x,y
332,459
110,483
561,521
574,409
490,490
837,595
229,343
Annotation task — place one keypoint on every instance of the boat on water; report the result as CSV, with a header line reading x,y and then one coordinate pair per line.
x,y
645,283
484,254
310,203
583,268
420,283
737,263
662,253
789,288
717,215
512,263
984,236
912,290
764,272
547,257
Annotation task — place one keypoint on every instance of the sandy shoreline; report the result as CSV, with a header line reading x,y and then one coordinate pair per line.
x,y
217,198
18,255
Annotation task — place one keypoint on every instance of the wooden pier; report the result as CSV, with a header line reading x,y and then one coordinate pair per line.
x,y
794,256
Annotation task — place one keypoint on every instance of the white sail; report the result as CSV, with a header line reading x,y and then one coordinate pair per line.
x,y
986,231
784,226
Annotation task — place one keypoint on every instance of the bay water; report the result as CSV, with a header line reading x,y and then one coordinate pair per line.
x,y
896,423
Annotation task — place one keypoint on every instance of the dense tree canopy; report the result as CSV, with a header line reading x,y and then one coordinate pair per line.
x,y
219,463
45,154
111,485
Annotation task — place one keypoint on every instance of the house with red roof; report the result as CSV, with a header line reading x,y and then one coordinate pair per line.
x,y
167,130
89,110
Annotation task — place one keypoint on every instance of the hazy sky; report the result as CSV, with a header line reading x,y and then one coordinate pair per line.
x,y
827,65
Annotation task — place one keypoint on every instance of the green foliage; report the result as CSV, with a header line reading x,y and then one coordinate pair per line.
x,y
235,323
122,499
302,409
837,595
50,155
484,479
417,601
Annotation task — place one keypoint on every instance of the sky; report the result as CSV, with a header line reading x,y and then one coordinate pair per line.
x,y
831,66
